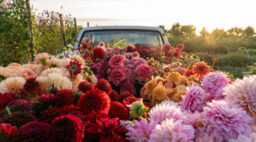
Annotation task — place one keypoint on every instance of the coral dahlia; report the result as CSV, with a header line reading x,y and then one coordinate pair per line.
x,y
200,69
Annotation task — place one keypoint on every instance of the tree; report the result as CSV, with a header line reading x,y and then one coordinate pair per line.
x,y
176,30
188,30
204,32
248,31
235,32
218,33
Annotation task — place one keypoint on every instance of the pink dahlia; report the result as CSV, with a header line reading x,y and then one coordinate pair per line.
x,y
116,61
194,100
7,131
33,132
174,131
242,93
94,100
67,128
140,131
165,110
144,72
214,83
167,49
224,121
180,46
117,76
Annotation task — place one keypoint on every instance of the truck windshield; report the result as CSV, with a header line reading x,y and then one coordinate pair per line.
x,y
123,38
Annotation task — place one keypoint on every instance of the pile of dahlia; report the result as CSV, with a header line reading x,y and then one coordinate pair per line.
x,y
129,98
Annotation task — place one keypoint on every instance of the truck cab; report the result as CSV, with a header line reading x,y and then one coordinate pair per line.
x,y
121,36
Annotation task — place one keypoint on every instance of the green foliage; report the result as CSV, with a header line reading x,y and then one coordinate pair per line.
x,y
14,35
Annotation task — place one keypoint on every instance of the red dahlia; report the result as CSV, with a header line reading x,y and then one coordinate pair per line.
x,y
114,95
85,86
98,52
33,132
67,128
7,131
51,113
129,100
130,48
74,68
64,97
94,100
107,130
104,85
118,110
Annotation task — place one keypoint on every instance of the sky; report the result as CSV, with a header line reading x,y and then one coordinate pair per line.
x,y
211,14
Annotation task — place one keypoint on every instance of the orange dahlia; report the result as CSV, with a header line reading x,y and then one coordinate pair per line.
x,y
200,69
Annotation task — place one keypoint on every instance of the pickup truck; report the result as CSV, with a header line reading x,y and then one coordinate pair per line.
x,y
123,35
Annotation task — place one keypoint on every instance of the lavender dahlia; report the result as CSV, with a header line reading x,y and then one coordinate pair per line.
x,y
165,110
214,83
141,130
224,122
194,100
174,131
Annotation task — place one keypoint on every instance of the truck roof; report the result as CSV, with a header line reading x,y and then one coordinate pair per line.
x,y
124,28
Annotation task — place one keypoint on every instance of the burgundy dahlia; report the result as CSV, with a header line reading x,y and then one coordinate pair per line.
x,y
67,128
104,85
94,100
18,118
144,71
31,84
85,86
20,105
117,76
5,98
124,95
118,110
33,132
64,97
114,95
7,131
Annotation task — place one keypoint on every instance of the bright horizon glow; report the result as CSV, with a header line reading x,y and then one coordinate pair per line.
x,y
210,14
